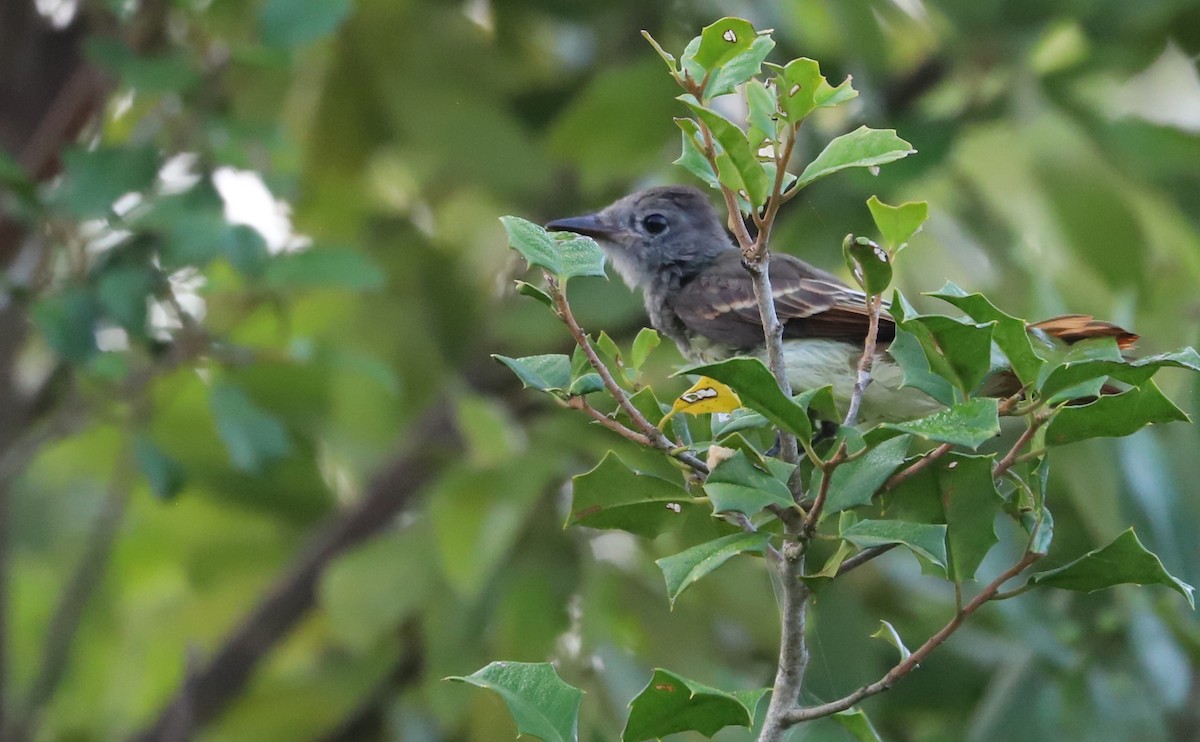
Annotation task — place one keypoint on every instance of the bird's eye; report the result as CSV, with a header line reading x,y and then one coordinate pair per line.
x,y
655,224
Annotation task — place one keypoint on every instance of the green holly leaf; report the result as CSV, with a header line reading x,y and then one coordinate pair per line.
x,y
971,504
613,496
740,169
928,540
959,352
685,568
802,89
740,68
856,482
897,224
692,158
1123,562
1071,374
540,702
671,703
1113,415
736,485
721,42
869,263
564,254
968,424
1010,333
549,373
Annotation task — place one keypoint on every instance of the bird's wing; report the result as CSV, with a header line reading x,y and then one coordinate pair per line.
x,y
720,305
1071,328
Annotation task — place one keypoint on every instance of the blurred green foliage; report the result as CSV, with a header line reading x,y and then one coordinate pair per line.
x,y
1059,148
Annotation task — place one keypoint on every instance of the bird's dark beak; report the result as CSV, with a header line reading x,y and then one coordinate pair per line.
x,y
591,225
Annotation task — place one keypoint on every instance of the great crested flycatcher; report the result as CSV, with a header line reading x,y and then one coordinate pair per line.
x,y
670,243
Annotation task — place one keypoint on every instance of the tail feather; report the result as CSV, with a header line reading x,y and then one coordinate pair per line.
x,y
1071,328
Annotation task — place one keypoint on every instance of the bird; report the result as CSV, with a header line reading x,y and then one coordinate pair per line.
x,y
670,243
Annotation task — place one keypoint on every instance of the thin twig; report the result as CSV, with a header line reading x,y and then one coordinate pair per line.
x,y
579,403
1010,458
916,467
863,557
863,378
789,449
827,469
654,436
743,522
796,716
767,222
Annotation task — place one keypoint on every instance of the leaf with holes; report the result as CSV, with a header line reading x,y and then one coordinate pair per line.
x,y
863,147
744,172
802,89
614,496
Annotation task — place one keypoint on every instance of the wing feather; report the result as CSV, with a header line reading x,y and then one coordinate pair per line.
x,y
719,304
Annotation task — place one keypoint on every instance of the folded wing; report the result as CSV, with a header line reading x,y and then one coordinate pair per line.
x,y
720,305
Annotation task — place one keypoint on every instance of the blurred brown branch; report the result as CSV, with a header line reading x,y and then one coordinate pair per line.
x,y
208,690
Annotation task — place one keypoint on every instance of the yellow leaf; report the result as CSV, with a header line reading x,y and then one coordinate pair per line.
x,y
706,396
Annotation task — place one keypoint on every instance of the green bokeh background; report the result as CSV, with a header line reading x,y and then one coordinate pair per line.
x,y
1059,148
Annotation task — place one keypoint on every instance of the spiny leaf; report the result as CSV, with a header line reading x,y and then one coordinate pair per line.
x,y
802,88
538,699
969,424
1113,415
614,496
686,567
737,485
928,540
897,224
1124,561
671,703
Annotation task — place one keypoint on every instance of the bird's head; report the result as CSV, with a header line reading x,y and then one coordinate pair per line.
x,y
664,228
